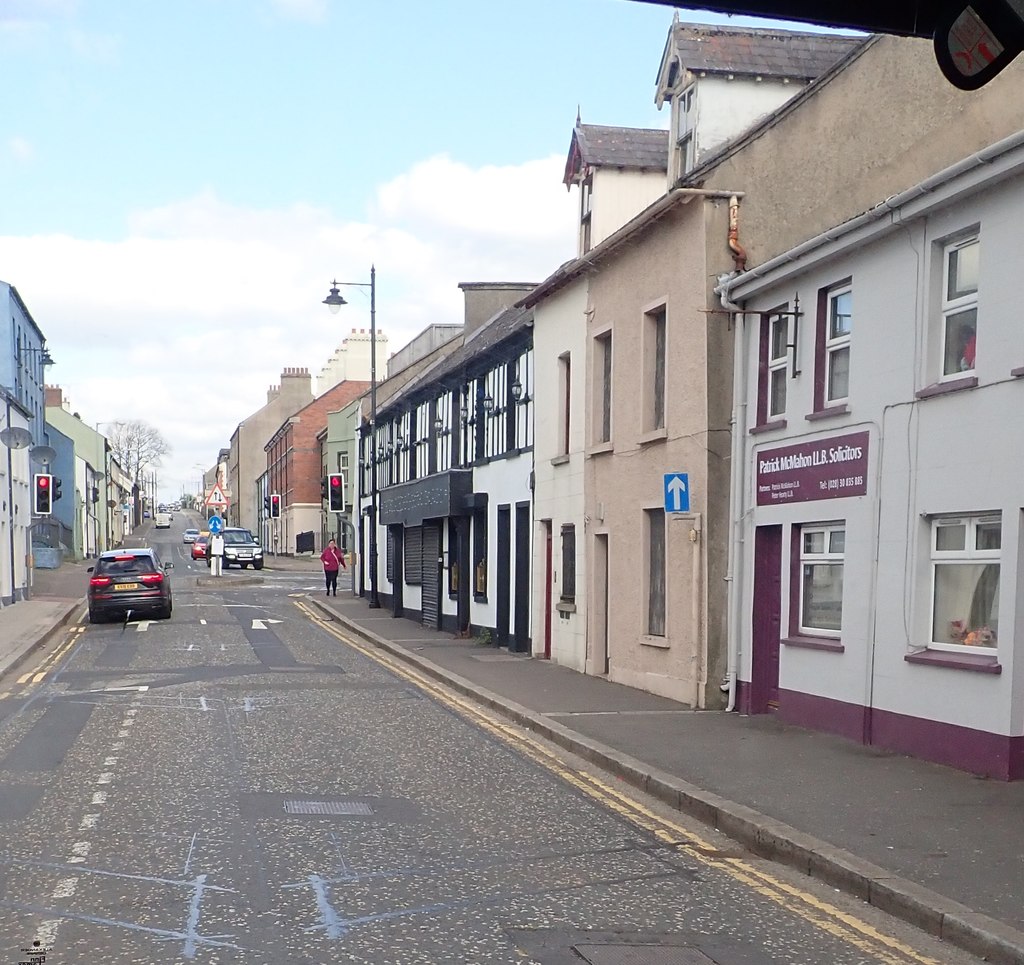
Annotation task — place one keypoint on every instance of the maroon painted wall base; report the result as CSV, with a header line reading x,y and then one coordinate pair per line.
x,y
975,751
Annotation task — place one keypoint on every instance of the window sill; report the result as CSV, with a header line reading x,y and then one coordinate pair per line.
x,y
655,435
479,597
560,460
831,412
565,607
830,644
600,448
659,643
943,388
976,662
768,426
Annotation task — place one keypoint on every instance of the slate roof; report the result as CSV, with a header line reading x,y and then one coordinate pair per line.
x,y
765,53
620,147
476,346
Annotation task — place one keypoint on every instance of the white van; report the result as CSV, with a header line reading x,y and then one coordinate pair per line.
x,y
163,520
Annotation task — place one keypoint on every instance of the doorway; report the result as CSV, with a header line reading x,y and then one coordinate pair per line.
x,y
521,644
766,620
504,580
548,577
599,626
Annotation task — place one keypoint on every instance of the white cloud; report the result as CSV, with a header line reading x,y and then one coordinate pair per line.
x,y
187,320
20,148
309,11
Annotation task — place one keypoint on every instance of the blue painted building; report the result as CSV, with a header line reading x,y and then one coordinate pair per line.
x,y
23,358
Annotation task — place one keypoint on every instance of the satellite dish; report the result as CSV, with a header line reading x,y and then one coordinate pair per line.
x,y
15,437
44,454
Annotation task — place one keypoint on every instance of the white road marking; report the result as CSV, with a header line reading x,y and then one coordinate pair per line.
x,y
105,778
89,822
203,704
124,733
202,623
46,933
65,888
142,626
247,704
190,648
100,797
109,761
80,850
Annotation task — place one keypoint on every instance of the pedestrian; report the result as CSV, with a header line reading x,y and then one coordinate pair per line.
x,y
333,560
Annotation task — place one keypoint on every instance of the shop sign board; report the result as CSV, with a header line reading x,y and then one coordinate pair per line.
x,y
829,468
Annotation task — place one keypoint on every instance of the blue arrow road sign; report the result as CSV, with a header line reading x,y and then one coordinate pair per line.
x,y
215,523
677,492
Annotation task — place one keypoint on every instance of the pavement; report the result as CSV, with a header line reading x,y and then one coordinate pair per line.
x,y
933,846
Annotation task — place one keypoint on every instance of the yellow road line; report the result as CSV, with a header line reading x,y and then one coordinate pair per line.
x,y
34,676
819,913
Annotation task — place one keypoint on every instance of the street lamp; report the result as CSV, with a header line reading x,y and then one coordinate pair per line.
x,y
334,301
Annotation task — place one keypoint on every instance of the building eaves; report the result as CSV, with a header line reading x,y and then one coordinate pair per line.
x,y
632,148
758,52
504,326
573,269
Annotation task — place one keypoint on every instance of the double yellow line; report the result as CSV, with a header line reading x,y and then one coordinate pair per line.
x,y
35,676
819,913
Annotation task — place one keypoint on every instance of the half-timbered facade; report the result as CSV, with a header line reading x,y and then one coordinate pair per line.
x,y
451,459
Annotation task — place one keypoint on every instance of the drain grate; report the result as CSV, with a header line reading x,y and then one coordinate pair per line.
x,y
327,807
613,954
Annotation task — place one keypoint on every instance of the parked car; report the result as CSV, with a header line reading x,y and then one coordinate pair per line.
x,y
190,536
240,549
129,579
199,548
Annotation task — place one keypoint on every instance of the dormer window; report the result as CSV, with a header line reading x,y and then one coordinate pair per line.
x,y
686,122
586,202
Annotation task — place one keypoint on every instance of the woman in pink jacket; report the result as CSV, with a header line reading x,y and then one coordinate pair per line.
x,y
333,560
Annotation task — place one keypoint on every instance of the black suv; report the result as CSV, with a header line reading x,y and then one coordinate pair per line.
x,y
129,579
240,549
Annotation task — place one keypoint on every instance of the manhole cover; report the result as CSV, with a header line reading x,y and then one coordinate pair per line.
x,y
327,807
641,955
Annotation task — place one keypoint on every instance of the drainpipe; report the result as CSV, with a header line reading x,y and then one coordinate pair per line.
x,y
739,255
10,512
736,543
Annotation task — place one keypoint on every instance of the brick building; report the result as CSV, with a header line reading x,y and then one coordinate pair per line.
x,y
294,467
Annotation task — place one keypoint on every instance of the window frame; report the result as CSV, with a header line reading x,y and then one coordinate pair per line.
x,y
827,557
604,367
567,589
655,368
777,363
656,524
836,343
958,305
967,556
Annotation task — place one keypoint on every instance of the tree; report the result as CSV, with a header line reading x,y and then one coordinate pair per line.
x,y
137,446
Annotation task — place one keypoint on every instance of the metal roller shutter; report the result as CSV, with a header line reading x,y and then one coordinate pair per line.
x,y
431,575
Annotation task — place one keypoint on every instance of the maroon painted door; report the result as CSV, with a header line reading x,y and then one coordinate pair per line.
x,y
766,620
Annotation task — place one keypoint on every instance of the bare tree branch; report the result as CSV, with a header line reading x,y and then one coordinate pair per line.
x,y
137,446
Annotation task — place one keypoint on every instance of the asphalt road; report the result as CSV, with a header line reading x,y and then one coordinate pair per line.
x,y
241,785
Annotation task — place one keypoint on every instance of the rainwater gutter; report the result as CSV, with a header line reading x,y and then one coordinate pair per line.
x,y
988,155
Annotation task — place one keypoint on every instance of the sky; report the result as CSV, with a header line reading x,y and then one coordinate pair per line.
x,y
180,182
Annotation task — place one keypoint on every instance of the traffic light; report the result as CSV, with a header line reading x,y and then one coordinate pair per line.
x,y
266,503
275,506
336,492
43,504
55,489
323,487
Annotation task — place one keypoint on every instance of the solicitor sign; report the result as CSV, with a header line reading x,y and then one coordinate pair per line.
x,y
825,469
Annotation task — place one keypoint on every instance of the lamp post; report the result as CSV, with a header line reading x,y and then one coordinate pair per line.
x,y
334,301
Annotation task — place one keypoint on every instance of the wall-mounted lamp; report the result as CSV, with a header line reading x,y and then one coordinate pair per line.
x,y
517,390
488,403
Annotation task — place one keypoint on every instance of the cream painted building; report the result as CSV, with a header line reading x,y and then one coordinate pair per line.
x,y
350,361
656,363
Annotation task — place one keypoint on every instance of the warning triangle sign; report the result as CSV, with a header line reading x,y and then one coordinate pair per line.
x,y
216,497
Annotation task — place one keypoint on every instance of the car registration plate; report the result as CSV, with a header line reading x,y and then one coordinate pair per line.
x,y
245,556
126,586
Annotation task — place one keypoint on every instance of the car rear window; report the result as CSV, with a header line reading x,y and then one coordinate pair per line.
x,y
126,566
